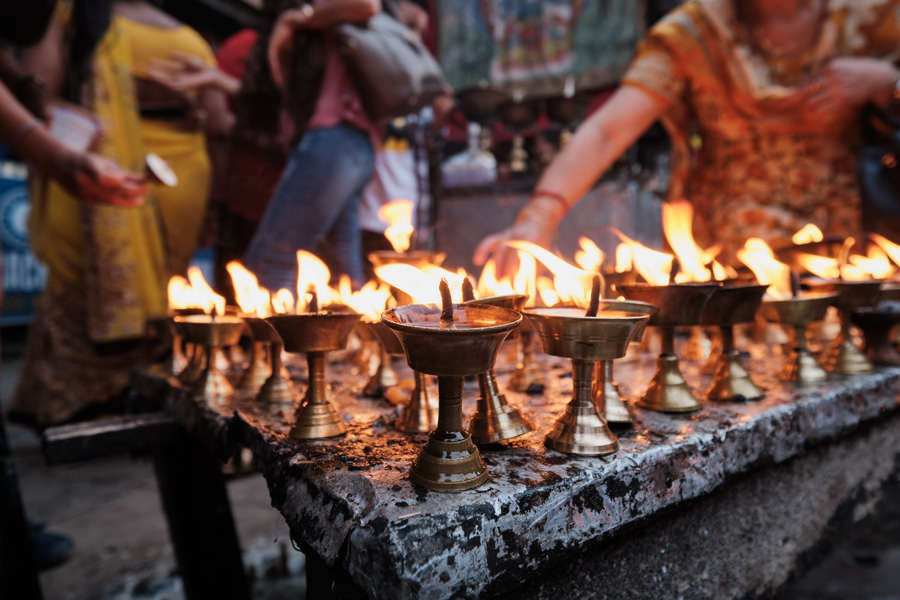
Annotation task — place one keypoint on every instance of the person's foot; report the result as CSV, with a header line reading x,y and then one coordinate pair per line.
x,y
50,549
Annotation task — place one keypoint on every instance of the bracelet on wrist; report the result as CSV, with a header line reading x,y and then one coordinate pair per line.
x,y
553,196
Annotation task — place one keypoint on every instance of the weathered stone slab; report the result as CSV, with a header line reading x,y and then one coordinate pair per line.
x,y
350,501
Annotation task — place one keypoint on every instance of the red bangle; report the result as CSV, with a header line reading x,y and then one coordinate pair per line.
x,y
552,195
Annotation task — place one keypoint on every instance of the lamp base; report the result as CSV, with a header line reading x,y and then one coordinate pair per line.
x,y
668,391
449,466
731,381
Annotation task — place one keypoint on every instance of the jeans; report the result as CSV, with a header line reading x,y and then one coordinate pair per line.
x,y
315,204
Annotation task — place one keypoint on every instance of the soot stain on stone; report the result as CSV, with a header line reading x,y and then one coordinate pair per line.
x,y
379,525
616,488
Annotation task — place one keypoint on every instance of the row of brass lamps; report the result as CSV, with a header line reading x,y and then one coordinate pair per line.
x,y
453,341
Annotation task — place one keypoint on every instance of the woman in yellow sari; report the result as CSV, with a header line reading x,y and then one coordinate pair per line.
x,y
107,266
774,92
174,124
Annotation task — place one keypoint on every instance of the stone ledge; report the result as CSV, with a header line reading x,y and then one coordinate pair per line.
x,y
350,502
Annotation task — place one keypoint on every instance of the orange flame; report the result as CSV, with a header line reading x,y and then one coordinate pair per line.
x,y
821,266
757,255
180,293
590,257
807,234
312,272
204,295
875,264
283,302
370,301
890,248
489,285
398,216
422,287
624,258
677,222
251,298
570,283
652,265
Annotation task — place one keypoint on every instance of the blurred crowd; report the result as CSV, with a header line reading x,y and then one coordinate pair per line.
x,y
148,139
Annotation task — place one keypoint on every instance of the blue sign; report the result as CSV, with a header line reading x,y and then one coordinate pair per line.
x,y
24,277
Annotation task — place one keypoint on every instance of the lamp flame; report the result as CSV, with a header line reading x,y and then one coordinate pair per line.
x,y
204,296
624,258
758,256
875,264
570,283
283,302
807,234
590,256
312,273
889,247
180,293
677,219
398,216
251,298
370,301
654,266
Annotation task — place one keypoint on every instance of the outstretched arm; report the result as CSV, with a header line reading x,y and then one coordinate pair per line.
x,y
596,145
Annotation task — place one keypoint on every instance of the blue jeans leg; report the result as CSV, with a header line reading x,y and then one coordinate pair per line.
x,y
317,196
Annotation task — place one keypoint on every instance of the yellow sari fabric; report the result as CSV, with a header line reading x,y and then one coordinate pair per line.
x,y
183,207
111,258
107,272
752,163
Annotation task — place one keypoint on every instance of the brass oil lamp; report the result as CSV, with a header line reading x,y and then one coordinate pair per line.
x,y
843,356
495,419
732,304
527,377
680,305
178,361
451,343
315,334
420,415
607,398
798,313
877,323
276,387
209,334
384,375
258,368
584,338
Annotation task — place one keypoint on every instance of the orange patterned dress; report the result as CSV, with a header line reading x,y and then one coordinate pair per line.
x,y
751,167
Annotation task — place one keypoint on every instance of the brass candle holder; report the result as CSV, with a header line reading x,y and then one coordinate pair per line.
x,y
452,343
843,356
384,375
209,334
730,305
527,376
184,364
495,418
258,369
607,398
798,313
877,324
276,387
680,305
420,415
315,334
568,333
